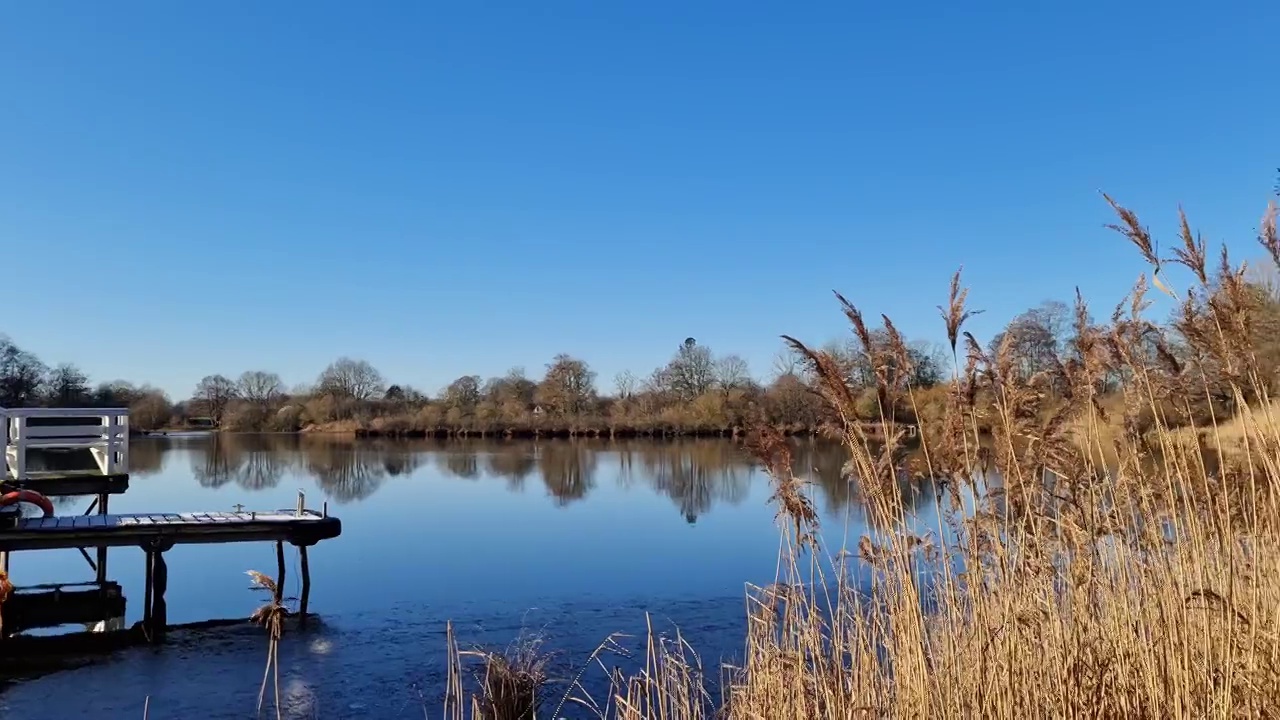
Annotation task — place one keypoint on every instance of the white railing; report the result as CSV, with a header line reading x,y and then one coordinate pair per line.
x,y
104,432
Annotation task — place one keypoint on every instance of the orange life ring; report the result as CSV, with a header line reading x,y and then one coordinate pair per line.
x,y
30,496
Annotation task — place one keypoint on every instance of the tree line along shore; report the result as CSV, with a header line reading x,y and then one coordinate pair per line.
x,y
698,392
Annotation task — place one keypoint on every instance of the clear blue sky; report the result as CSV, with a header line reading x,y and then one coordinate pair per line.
x,y
190,188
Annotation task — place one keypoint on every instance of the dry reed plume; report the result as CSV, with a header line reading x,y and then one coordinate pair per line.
x,y
270,615
1060,585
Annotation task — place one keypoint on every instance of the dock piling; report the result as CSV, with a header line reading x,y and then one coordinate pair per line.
x,y
305,598
155,610
159,607
102,551
147,592
279,598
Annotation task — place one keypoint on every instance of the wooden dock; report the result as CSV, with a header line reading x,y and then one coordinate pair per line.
x,y
168,529
104,433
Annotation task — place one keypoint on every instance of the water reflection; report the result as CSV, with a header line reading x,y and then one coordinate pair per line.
x,y
251,462
696,475
568,470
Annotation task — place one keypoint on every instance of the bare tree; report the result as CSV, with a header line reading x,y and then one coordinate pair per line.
x,y
732,372
346,378
568,387
1265,275
21,375
691,372
625,383
930,363
68,386
513,388
215,392
118,393
260,387
150,409
1036,339
785,364
462,394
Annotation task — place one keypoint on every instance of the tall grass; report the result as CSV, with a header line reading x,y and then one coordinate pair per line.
x,y
1145,586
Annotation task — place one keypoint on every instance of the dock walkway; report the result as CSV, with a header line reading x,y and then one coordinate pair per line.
x,y
142,529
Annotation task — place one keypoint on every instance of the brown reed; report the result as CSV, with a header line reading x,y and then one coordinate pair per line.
x,y
1093,573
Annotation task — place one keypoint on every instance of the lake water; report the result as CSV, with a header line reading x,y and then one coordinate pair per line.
x,y
573,540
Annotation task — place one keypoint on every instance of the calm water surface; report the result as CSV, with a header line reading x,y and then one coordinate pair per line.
x,y
571,540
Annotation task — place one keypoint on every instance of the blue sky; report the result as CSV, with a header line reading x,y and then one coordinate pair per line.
x,y
190,188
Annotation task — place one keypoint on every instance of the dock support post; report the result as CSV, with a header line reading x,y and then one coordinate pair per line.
x,y
148,592
159,608
102,551
155,611
279,598
305,598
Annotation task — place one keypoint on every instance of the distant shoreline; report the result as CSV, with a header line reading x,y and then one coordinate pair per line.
x,y
518,433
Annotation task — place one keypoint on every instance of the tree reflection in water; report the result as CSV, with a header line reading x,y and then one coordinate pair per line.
x,y
462,462
568,469
346,471
146,457
696,475
514,464
253,462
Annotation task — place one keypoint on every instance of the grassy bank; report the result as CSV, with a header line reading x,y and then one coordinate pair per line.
x,y
1147,587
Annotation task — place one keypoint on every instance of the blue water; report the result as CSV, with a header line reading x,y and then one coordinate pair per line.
x,y
570,540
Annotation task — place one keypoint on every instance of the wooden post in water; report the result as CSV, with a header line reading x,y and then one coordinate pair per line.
x,y
155,611
148,592
279,598
102,551
305,598
159,608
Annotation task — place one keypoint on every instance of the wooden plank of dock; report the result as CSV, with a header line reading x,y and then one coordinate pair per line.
x,y
78,484
144,529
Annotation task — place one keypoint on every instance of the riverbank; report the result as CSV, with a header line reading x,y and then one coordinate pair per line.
x,y
378,429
